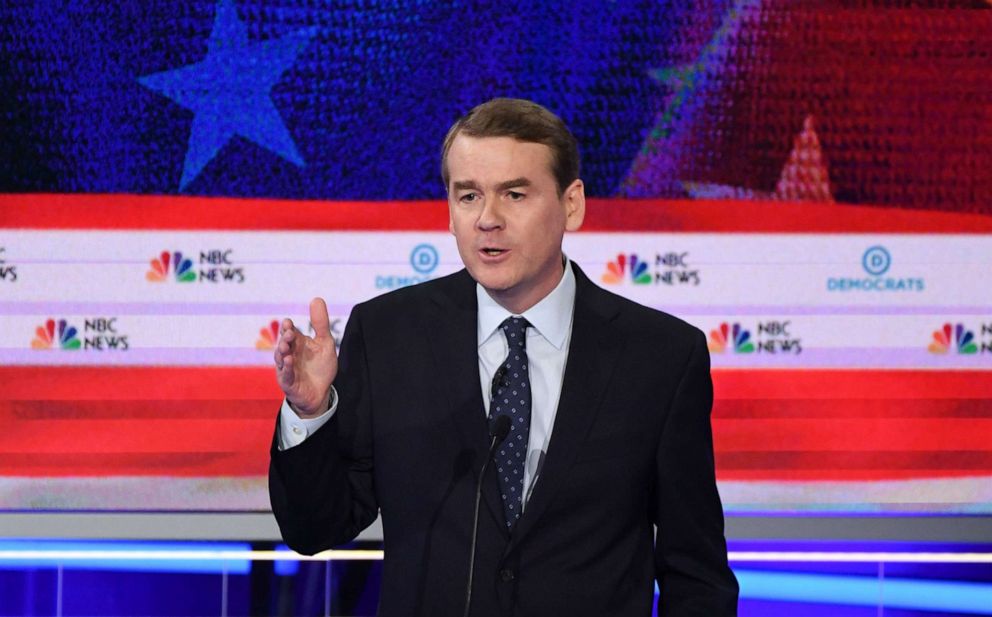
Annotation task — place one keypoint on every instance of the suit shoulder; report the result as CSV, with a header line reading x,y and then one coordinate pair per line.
x,y
411,298
650,323
645,323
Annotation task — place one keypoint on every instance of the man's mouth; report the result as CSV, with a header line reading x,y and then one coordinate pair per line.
x,y
493,252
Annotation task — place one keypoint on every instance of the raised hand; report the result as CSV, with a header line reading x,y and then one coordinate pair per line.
x,y
306,366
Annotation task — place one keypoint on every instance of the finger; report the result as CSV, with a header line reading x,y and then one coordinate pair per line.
x,y
286,325
284,346
319,320
286,373
282,349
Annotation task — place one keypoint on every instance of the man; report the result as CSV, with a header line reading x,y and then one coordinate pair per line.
x,y
609,404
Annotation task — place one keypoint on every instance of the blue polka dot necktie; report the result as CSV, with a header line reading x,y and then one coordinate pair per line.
x,y
511,397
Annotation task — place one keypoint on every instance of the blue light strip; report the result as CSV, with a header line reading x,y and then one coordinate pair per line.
x,y
202,566
901,593
285,568
915,594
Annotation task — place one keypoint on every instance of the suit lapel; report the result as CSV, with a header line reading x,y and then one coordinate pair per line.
x,y
455,347
592,354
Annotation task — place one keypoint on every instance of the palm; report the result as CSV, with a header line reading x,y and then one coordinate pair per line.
x,y
316,364
306,366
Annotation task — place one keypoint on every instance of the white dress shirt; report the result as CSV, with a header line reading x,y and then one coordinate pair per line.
x,y
547,349
548,339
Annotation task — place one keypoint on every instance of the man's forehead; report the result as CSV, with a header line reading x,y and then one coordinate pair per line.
x,y
497,160
462,141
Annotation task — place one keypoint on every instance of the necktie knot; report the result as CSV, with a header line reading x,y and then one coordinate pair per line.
x,y
515,330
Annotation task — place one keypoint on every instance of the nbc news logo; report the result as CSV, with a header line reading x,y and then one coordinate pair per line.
x,y
669,269
774,337
215,266
98,334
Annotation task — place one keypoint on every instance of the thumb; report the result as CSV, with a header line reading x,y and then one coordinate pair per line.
x,y
319,320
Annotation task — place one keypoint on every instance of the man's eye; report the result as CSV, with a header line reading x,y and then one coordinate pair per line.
x,y
468,198
515,195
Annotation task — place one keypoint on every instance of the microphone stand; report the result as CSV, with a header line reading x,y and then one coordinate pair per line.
x,y
498,432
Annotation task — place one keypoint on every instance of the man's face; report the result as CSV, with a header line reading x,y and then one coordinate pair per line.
x,y
507,218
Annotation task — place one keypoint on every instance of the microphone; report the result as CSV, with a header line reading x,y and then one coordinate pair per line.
x,y
498,430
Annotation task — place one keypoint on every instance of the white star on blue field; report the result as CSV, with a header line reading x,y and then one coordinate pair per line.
x,y
228,91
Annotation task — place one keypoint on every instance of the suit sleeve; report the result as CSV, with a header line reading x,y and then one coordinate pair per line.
x,y
322,491
690,550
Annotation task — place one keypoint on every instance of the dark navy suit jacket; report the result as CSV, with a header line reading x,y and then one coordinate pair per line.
x,y
631,449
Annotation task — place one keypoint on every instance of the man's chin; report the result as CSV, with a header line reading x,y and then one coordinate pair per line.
x,y
490,281
493,286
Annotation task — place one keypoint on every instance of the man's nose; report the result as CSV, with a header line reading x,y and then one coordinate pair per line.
x,y
491,216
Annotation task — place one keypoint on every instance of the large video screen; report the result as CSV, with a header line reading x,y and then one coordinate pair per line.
x,y
806,182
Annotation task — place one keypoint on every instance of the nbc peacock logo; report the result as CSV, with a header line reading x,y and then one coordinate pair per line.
x,y
616,269
726,334
268,336
959,337
53,333
182,268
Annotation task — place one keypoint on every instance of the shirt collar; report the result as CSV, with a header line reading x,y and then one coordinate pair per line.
x,y
551,317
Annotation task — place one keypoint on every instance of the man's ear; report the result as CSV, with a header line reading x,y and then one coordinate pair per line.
x,y
574,199
451,220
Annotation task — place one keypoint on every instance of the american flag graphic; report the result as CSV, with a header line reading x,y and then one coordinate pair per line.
x,y
176,176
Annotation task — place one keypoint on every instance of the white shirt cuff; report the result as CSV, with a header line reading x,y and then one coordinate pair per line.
x,y
293,429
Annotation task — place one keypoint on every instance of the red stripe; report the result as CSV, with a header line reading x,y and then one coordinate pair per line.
x,y
813,384
977,462
151,421
168,464
224,383
147,383
163,435
891,409
50,410
161,212
787,475
770,425
856,434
